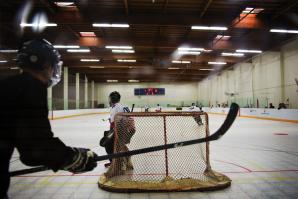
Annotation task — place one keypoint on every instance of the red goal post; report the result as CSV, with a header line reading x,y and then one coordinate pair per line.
x,y
179,169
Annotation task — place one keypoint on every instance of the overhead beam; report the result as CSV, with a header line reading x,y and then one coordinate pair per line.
x,y
167,43
129,75
165,6
152,79
126,7
174,20
158,77
205,8
116,66
286,8
140,72
143,58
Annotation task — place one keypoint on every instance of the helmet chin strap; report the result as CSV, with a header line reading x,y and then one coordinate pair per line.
x,y
49,76
40,75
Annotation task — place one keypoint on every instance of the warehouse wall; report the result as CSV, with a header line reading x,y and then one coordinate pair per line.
x,y
176,94
267,78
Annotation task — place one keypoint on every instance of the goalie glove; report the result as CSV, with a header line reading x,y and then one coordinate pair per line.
x,y
107,138
82,161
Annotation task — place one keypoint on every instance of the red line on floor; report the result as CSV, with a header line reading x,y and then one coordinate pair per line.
x,y
282,170
237,165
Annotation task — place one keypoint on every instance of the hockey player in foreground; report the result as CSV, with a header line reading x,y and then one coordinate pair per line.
x,y
126,128
24,116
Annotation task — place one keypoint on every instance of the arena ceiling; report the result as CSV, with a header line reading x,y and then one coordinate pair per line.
x,y
157,35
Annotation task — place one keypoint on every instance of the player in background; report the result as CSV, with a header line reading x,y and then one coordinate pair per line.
x,y
198,119
126,125
24,119
192,107
158,108
146,108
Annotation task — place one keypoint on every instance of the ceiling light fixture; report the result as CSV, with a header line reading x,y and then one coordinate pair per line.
x,y
126,60
8,51
107,25
38,24
206,69
173,68
232,54
217,63
118,47
248,51
190,49
87,34
66,46
208,28
123,51
133,80
89,60
284,31
223,37
78,50
252,10
112,80
180,62
64,4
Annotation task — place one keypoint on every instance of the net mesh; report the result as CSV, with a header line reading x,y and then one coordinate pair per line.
x,y
179,169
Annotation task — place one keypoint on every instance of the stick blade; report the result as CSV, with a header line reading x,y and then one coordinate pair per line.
x,y
233,112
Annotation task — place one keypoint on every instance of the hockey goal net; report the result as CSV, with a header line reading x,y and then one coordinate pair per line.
x,y
179,169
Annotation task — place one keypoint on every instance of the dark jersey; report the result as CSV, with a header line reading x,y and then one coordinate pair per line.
x,y
24,125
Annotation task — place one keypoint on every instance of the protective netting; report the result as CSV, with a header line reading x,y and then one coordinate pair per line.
x,y
179,169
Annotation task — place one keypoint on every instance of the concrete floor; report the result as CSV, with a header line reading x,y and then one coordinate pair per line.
x,y
260,156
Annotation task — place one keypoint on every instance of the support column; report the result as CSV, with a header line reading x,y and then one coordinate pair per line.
x,y
77,91
65,88
253,86
86,92
50,99
282,76
92,94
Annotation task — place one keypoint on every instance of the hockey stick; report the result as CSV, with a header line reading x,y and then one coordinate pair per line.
x,y
220,132
132,107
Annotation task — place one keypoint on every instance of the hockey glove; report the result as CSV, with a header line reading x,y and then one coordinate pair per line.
x,y
83,161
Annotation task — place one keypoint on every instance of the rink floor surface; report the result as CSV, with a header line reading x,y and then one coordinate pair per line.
x,y
260,156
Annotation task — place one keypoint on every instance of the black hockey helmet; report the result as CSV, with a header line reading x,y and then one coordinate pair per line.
x,y
35,53
114,97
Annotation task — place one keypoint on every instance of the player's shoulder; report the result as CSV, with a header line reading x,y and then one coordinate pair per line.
x,y
10,79
123,108
12,83
118,107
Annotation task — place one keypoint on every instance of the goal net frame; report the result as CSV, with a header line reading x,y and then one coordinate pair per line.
x,y
115,180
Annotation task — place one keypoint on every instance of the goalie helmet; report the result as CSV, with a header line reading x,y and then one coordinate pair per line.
x,y
36,53
114,97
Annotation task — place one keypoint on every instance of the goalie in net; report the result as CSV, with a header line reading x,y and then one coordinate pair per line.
x,y
179,169
126,125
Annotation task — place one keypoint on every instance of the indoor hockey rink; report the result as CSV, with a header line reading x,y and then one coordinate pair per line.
x,y
171,62
260,157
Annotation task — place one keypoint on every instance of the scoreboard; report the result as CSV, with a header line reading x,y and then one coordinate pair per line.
x,y
149,91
